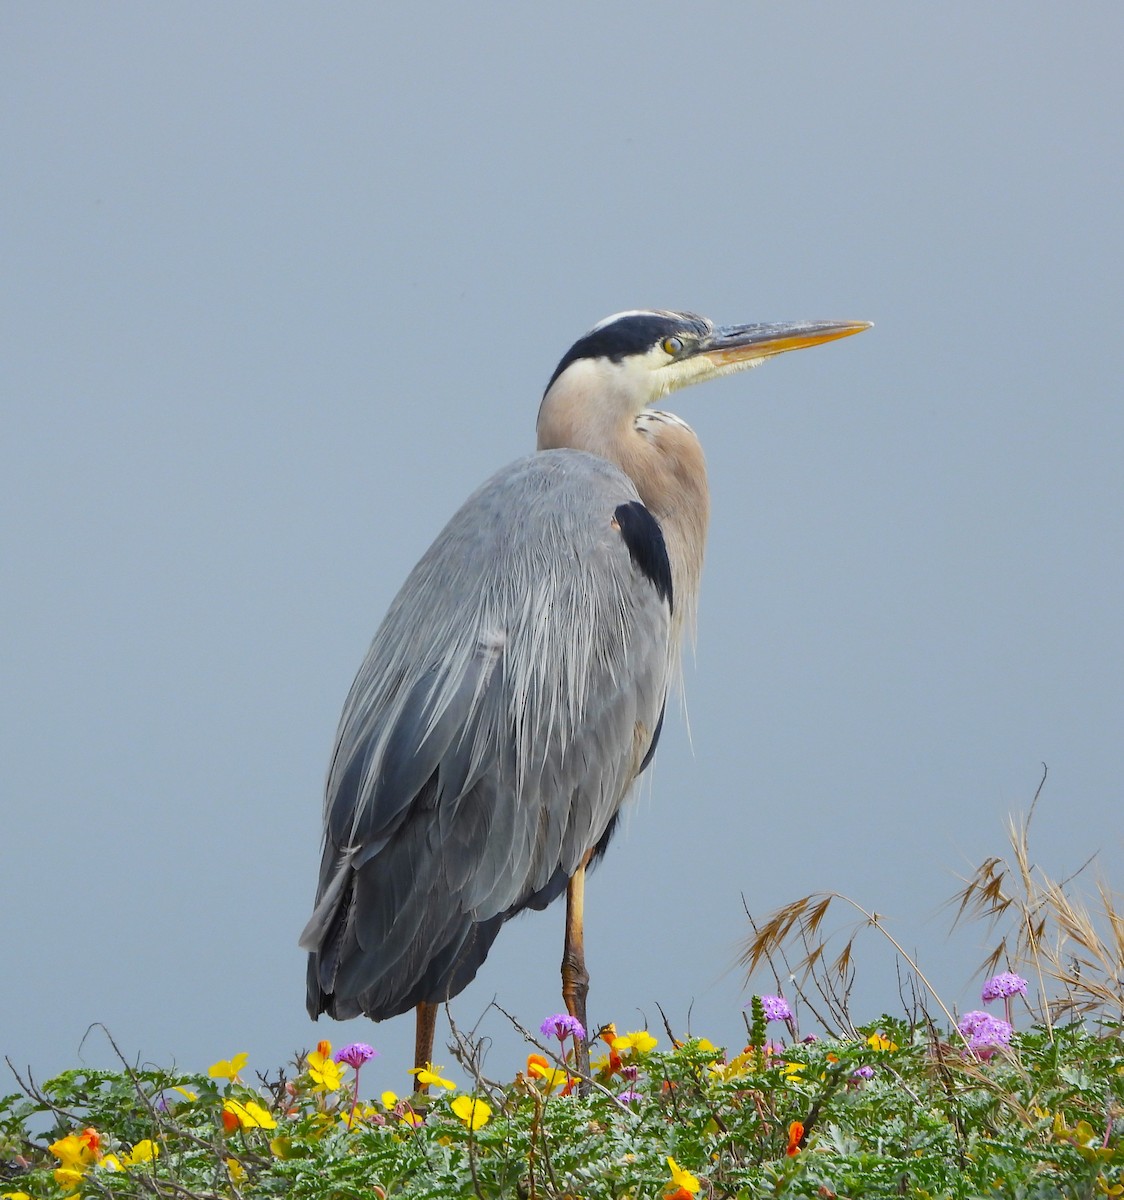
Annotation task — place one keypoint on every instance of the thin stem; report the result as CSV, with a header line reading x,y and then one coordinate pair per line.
x,y
354,1102
873,919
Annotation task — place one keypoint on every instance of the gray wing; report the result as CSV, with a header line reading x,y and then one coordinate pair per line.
x,y
510,698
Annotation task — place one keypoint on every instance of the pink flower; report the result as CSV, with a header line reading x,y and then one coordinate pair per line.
x,y
356,1054
562,1026
776,1008
986,1034
1005,984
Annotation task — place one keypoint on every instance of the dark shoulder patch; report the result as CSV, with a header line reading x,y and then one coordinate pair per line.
x,y
644,538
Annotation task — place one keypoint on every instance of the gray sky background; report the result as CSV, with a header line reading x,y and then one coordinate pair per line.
x,y
282,284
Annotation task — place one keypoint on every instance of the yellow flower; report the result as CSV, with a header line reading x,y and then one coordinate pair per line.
x,y
389,1100
14,1196
792,1071
247,1115
639,1042
409,1117
743,1064
539,1068
325,1072
77,1153
226,1068
428,1076
602,1065
473,1113
1084,1134
878,1041
144,1151
235,1170
683,1179
75,1150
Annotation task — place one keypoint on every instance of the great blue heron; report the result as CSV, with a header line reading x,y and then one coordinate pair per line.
x,y
516,688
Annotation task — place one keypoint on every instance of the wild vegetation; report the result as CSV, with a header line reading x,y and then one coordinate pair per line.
x,y
1023,1097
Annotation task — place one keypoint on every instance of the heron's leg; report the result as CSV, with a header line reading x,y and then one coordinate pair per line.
x,y
575,978
423,1040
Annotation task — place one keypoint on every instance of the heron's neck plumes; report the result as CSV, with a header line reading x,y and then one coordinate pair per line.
x,y
663,458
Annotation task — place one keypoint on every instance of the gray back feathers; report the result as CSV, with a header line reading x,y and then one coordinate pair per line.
x,y
505,706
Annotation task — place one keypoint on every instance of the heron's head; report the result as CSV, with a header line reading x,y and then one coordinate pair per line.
x,y
632,359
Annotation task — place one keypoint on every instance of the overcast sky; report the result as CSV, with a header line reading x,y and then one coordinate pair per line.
x,y
282,284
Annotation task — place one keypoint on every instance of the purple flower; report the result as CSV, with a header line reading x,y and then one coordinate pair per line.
x,y
356,1054
863,1073
628,1096
630,1072
776,1008
562,1026
986,1034
1005,984
971,1021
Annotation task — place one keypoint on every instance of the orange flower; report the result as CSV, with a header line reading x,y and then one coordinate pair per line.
x,y
609,1064
795,1137
552,1077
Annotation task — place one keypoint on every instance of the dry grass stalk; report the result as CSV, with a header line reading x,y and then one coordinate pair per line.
x,y
805,917
1076,953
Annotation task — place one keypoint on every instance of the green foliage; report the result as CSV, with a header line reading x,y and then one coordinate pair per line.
x,y
923,1117
896,1108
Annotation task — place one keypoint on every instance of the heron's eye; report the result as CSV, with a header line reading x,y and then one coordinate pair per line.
x,y
672,346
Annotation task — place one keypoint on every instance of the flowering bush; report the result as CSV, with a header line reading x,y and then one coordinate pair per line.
x,y
979,1111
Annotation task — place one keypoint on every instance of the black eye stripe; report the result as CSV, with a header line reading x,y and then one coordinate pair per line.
x,y
633,333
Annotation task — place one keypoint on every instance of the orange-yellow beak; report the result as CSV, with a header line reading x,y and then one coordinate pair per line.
x,y
733,344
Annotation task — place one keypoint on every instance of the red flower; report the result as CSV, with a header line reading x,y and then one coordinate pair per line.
x,y
795,1137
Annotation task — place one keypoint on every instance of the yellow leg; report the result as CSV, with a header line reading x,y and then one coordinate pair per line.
x,y
423,1040
575,978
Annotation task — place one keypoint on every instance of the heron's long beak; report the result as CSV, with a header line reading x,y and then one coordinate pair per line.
x,y
730,344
